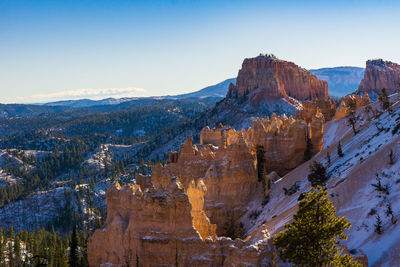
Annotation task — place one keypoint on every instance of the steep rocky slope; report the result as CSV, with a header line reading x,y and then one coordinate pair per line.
x,y
182,211
366,157
155,238
265,85
380,74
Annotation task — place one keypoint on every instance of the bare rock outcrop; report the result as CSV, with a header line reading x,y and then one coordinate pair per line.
x,y
344,107
380,74
284,139
180,214
265,77
168,227
228,171
311,107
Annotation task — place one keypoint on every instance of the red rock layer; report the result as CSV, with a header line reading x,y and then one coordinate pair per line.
x,y
168,227
310,108
284,139
264,77
344,107
174,216
228,172
380,74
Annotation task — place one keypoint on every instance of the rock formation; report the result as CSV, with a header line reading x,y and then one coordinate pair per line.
x,y
178,215
344,107
265,77
380,74
310,108
228,172
284,139
168,227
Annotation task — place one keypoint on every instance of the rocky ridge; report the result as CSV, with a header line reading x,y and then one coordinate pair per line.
x,y
266,77
380,74
344,107
185,208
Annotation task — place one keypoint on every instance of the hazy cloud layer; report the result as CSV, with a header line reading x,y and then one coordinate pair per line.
x,y
90,93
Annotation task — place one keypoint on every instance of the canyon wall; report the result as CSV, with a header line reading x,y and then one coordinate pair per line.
x,y
263,78
285,140
345,104
311,107
180,214
380,74
228,171
157,227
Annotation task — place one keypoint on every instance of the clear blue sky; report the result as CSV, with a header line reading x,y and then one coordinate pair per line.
x,y
51,50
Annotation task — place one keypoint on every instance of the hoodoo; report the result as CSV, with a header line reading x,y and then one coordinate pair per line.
x,y
185,208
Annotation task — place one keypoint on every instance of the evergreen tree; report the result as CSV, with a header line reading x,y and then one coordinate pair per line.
x,y
384,99
73,246
317,174
378,225
311,239
328,158
391,157
339,150
2,239
17,250
260,162
352,118
308,151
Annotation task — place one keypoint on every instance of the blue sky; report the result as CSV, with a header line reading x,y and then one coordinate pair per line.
x,y
52,50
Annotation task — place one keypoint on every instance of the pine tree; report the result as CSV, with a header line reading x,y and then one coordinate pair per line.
x,y
384,99
352,118
378,225
328,158
317,174
391,157
310,240
260,162
308,151
73,246
339,150
17,250
2,238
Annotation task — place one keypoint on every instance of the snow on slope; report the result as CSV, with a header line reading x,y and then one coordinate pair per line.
x,y
350,186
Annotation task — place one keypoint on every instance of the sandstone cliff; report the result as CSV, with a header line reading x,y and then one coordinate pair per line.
x,y
264,78
168,227
228,172
380,74
180,212
264,86
311,107
344,107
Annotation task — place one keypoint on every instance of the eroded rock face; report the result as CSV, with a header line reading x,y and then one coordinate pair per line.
x,y
311,107
344,107
177,215
228,171
264,78
380,74
168,227
285,140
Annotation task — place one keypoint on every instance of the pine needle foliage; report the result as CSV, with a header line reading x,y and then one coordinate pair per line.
x,y
312,238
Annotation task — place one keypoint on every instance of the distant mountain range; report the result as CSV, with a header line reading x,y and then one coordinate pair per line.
x,y
341,80
214,91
